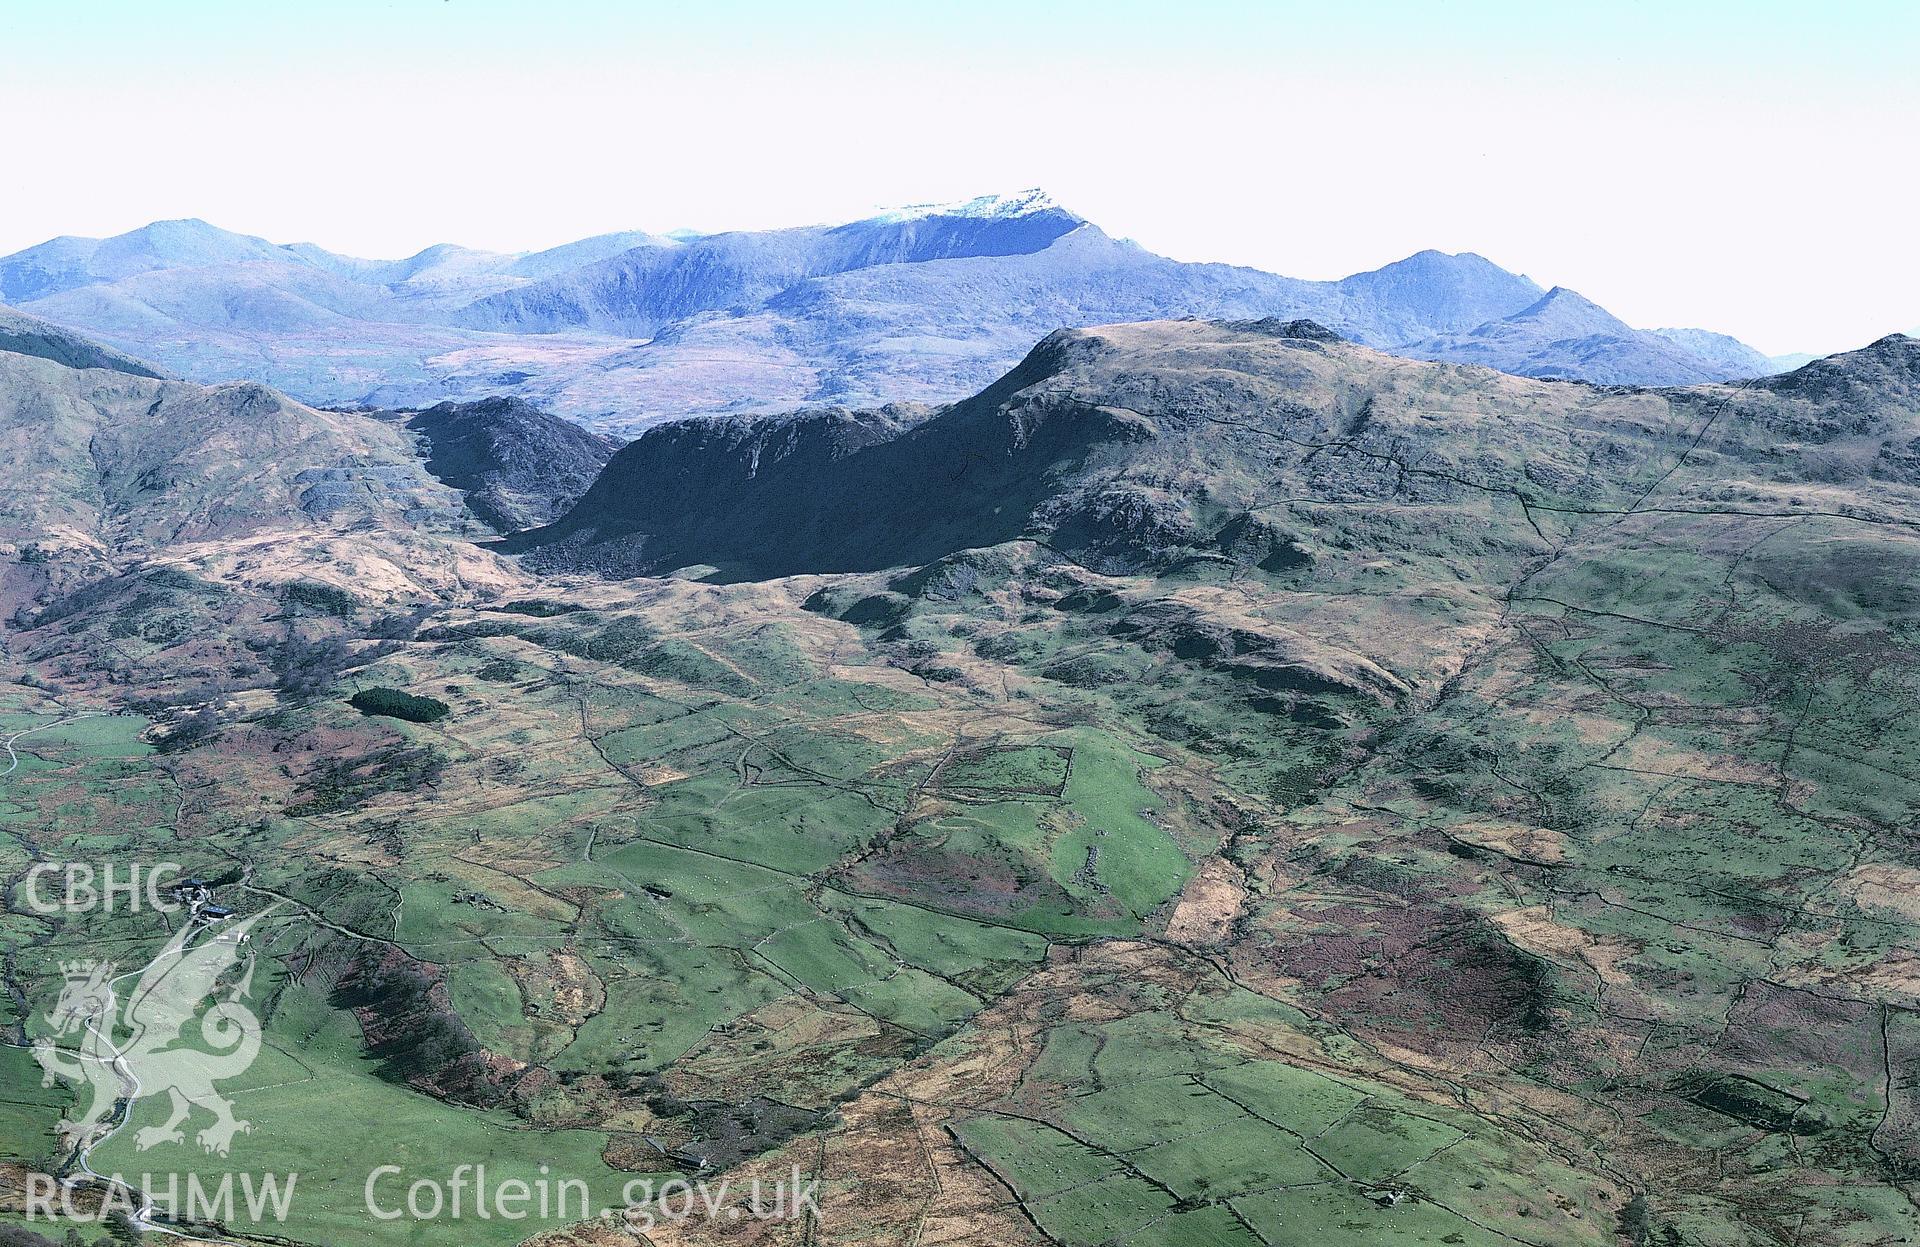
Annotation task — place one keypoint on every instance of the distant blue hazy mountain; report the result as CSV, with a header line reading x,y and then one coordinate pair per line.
x,y
1730,353
921,303
1568,336
640,291
569,256
979,263
67,263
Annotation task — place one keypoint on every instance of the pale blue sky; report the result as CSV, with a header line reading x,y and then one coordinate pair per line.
x,y
1743,167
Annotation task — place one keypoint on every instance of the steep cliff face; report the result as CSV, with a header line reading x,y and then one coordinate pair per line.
x,y
519,466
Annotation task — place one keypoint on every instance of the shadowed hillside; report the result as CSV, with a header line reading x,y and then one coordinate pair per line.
x,y
21,334
1148,446
518,465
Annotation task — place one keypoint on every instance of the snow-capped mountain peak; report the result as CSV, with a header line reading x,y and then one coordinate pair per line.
x,y
981,207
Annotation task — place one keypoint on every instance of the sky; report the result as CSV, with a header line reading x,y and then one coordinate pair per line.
x,y
1746,168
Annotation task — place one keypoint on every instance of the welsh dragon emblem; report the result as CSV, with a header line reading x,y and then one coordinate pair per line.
x,y
148,1047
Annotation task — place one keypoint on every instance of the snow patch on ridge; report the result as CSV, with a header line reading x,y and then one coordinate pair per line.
x,y
981,207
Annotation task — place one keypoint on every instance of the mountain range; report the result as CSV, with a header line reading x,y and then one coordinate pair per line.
x,y
621,330
1151,446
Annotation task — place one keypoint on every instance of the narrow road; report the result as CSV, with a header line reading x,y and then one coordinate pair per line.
x,y
131,1089
13,758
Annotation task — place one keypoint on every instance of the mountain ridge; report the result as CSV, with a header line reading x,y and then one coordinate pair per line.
x,y
517,466
1566,335
924,303
111,470
1197,408
21,334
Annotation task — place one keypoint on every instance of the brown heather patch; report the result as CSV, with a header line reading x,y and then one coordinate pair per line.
x,y
1533,844
565,979
1889,889
1535,930
1662,755
1206,909
1895,977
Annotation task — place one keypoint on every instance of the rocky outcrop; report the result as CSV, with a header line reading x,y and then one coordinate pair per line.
x,y
518,466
